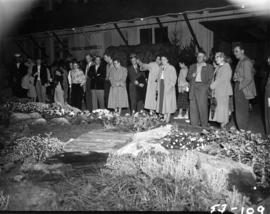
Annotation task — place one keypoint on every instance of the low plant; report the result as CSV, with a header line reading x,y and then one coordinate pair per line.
x,y
157,182
4,201
35,148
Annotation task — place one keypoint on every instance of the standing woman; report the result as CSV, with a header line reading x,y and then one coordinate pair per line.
x,y
77,81
58,87
267,100
166,102
118,97
183,88
154,69
222,89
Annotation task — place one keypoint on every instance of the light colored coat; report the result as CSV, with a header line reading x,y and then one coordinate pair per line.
x,y
118,97
222,89
154,71
169,100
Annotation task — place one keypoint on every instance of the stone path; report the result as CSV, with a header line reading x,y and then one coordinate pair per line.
x,y
103,141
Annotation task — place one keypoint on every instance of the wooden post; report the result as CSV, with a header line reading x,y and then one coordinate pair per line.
x,y
120,33
36,44
192,32
61,43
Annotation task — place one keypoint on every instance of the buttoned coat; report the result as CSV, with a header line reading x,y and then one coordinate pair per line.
x,y
152,83
169,99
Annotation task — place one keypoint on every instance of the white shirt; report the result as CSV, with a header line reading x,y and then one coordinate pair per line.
x,y
18,65
38,72
162,73
199,70
87,68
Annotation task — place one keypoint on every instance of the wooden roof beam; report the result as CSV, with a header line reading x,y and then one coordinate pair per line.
x,y
191,31
121,34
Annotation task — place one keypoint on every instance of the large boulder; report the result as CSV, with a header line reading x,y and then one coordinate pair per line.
x,y
19,117
39,122
239,175
60,121
146,141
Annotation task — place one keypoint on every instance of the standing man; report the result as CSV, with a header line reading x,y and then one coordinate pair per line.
x,y
109,68
133,74
245,89
199,76
18,71
87,94
97,75
41,80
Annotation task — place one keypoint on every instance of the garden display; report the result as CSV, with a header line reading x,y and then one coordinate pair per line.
x,y
241,146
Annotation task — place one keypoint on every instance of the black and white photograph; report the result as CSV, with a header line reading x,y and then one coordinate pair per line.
x,y
135,105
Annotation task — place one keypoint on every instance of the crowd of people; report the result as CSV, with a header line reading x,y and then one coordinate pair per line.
x,y
201,91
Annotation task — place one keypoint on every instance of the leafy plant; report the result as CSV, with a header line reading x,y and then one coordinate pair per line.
x,y
4,201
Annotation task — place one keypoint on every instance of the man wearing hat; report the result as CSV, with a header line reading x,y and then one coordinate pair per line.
x,y
133,74
18,71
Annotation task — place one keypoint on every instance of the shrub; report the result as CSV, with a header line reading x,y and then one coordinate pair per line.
x,y
35,148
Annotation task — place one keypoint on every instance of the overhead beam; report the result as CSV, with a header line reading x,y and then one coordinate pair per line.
x,y
121,34
159,22
192,32
60,42
37,45
21,49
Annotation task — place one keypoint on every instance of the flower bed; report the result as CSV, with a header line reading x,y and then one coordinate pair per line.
x,y
241,146
138,122
35,148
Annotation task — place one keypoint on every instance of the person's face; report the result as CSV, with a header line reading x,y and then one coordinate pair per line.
x,y
164,60
97,61
139,62
268,60
88,59
219,60
106,58
238,53
200,58
158,60
133,61
71,65
75,66
116,64
38,62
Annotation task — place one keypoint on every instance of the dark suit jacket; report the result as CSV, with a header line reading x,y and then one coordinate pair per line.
x,y
132,75
141,91
207,74
97,77
17,74
43,74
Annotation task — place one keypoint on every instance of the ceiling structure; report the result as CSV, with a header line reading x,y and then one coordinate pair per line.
x,y
251,29
70,14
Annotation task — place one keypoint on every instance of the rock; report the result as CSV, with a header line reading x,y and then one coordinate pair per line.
x,y
60,121
8,166
265,204
39,122
18,178
18,117
144,142
35,115
239,175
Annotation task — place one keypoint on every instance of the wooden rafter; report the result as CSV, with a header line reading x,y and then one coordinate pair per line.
x,y
121,34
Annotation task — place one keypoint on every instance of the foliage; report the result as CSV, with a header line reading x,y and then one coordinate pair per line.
x,y
241,146
35,148
4,201
147,52
159,183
